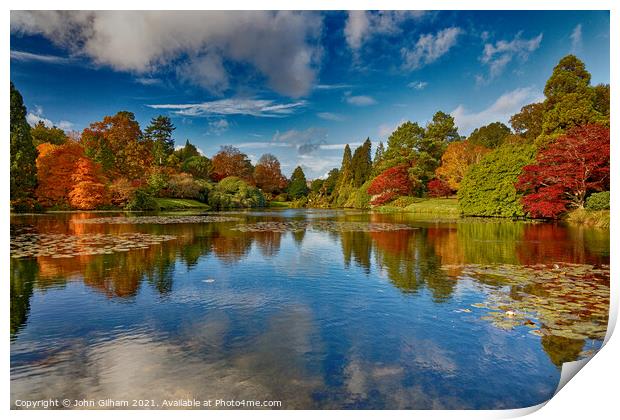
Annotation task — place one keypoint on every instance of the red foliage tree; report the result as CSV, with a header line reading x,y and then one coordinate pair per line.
x,y
566,171
389,184
89,191
439,188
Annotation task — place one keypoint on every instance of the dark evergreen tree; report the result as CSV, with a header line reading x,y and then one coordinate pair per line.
x,y
23,154
159,132
298,187
361,164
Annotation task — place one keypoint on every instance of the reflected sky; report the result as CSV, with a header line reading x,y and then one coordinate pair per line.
x,y
317,318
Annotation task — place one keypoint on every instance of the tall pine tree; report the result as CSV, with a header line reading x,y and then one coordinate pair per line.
x,y
23,154
159,132
298,187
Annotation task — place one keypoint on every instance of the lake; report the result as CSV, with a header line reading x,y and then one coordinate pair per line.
x,y
313,308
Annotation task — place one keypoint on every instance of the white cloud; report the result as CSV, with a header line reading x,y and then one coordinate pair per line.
x,y
497,56
282,46
417,85
576,39
361,100
217,127
306,141
330,116
148,81
234,106
42,58
501,110
332,87
430,47
362,25
36,116
339,146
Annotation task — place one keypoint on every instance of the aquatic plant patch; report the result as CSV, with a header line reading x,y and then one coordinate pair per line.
x,y
320,225
562,300
69,246
156,220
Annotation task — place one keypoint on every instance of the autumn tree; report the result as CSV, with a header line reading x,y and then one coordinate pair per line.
x,y
457,160
159,132
566,171
23,154
489,136
230,161
89,191
391,183
117,144
268,175
528,122
55,168
43,134
297,187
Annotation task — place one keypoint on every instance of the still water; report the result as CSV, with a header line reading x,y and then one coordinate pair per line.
x,y
313,308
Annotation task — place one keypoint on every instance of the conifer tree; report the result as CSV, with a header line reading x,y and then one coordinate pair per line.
x,y
23,154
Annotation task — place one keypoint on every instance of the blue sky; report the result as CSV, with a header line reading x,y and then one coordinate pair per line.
x,y
299,85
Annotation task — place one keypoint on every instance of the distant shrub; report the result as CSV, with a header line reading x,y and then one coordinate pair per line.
x,y
598,201
141,200
438,188
488,188
359,198
233,192
404,201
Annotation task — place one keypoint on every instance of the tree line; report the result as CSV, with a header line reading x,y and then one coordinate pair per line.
x,y
553,158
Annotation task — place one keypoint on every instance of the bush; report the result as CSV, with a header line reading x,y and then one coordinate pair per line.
x,y
359,198
233,192
488,188
141,200
598,201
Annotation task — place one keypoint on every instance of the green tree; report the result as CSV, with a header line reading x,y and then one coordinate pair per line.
x,y
23,154
402,146
488,188
199,167
489,136
159,132
569,99
378,156
42,134
361,164
298,188
186,152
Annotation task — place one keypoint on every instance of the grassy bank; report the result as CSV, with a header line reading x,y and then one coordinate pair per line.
x,y
429,206
283,204
600,218
180,204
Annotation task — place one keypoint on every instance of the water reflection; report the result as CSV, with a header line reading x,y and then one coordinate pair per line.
x,y
302,316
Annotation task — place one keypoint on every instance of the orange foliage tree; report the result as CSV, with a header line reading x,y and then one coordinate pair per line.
x,y
117,144
457,159
230,161
55,167
268,175
89,191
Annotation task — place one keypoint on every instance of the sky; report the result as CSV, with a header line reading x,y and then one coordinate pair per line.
x,y
299,85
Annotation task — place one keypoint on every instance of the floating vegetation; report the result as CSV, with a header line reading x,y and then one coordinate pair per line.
x,y
566,300
321,225
156,220
69,246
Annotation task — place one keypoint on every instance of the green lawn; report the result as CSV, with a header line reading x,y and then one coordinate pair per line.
x,y
179,204
279,204
430,206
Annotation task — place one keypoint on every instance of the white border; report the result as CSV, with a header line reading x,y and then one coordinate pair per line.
x,y
592,394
